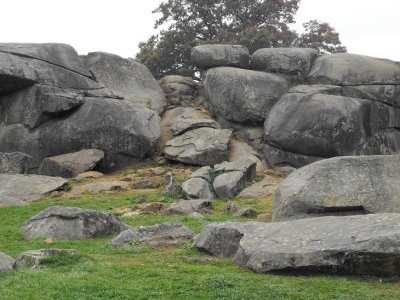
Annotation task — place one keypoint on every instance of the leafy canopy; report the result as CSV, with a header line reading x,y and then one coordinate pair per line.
x,y
253,23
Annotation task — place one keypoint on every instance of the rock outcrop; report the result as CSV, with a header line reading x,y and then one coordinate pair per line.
x,y
17,189
340,186
71,223
179,90
14,163
357,245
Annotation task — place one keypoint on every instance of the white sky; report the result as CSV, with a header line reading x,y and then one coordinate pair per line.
x,y
366,27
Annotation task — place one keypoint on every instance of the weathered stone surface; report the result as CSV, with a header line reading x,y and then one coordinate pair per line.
x,y
34,259
340,186
71,164
244,165
229,184
186,207
71,223
170,184
247,212
204,173
127,78
100,186
125,132
159,235
197,188
264,189
14,163
384,142
17,189
290,61
88,175
358,245
7,263
179,90
203,146
240,149
211,56
351,69
179,120
243,95
324,125
36,105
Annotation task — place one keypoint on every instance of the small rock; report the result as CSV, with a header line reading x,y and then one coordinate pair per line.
x,y
229,184
185,207
159,235
232,208
196,216
246,213
245,165
160,160
203,173
170,184
152,208
158,171
143,184
197,188
7,263
88,175
33,259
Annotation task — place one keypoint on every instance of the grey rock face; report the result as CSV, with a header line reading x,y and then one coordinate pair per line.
x,y
245,165
71,223
324,125
351,69
211,56
71,164
17,189
159,235
186,207
197,188
203,146
243,95
229,184
290,61
14,163
204,173
127,78
7,263
358,245
340,186
179,90
125,132
171,186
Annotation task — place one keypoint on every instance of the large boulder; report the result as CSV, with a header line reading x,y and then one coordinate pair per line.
x,y
14,163
127,78
7,263
243,96
323,125
179,90
203,146
211,56
358,245
71,164
125,132
351,70
340,186
71,223
17,189
159,235
295,62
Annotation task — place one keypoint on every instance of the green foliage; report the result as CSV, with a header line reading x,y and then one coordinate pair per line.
x,y
60,259
253,23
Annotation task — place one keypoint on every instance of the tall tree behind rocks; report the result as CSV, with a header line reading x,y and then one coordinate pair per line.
x,y
253,23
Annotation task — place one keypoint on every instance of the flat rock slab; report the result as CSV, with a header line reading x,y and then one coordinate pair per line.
x,y
71,223
203,146
340,186
357,245
88,175
34,258
7,263
71,164
263,189
14,163
159,235
186,207
98,187
18,189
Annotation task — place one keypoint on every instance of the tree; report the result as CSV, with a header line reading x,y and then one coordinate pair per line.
x,y
253,23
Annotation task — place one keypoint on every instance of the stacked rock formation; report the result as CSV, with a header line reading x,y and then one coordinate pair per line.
x,y
307,107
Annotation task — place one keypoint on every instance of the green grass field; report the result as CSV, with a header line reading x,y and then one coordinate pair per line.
x,y
144,273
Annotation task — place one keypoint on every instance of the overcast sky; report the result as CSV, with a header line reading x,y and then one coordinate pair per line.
x,y
366,27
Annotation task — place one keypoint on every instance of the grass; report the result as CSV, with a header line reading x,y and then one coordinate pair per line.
x,y
102,272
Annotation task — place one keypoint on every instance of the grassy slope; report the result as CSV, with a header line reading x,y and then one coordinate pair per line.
x,y
144,273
